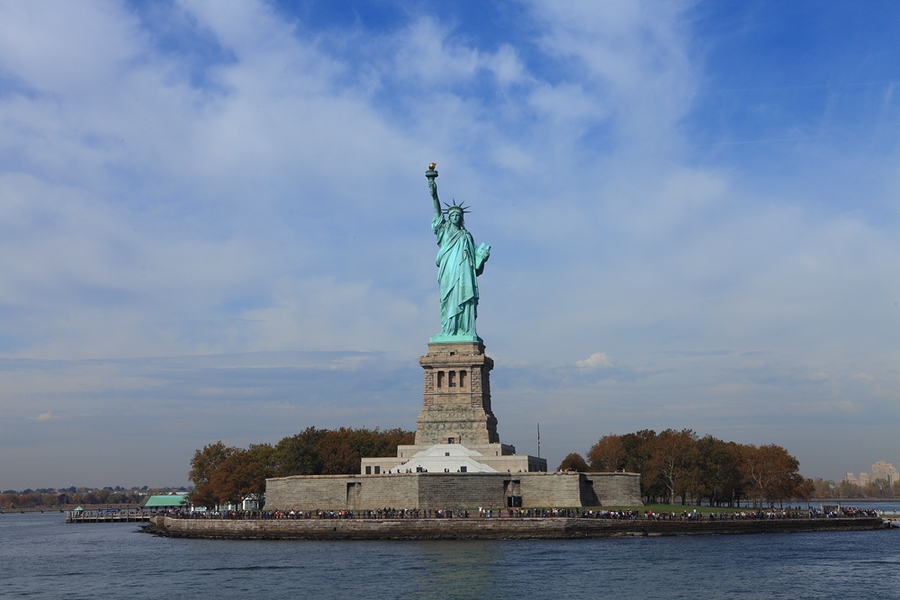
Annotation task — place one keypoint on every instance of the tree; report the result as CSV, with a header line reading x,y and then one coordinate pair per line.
x,y
804,489
573,462
716,475
339,454
847,489
770,472
326,452
299,454
639,452
203,467
242,474
608,454
671,453
879,488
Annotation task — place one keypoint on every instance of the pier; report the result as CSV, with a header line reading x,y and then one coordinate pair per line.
x,y
107,516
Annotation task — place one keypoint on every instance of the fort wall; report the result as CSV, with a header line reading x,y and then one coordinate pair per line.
x,y
483,528
452,491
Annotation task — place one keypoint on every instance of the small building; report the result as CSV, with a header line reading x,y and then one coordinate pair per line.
x,y
166,502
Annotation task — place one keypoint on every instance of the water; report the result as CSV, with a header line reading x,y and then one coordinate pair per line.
x,y
42,557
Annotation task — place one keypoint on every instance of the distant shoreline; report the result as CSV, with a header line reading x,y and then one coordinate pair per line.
x,y
67,507
476,528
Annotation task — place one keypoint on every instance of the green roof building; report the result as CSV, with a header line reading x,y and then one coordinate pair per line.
x,y
164,501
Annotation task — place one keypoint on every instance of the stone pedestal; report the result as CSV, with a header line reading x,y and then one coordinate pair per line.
x,y
457,430
456,406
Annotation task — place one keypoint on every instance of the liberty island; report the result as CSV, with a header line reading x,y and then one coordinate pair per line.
x,y
458,461
458,466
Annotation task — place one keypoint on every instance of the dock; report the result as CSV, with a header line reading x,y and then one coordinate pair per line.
x,y
107,516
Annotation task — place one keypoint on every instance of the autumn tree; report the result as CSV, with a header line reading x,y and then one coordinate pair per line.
x,y
608,454
669,461
804,488
242,474
574,462
228,474
676,464
769,472
204,465
638,452
628,452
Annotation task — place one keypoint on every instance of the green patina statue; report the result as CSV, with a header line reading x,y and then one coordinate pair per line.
x,y
459,264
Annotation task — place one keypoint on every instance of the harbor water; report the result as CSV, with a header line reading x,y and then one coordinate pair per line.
x,y
43,557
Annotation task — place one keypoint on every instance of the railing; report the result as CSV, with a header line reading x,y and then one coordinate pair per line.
x,y
107,516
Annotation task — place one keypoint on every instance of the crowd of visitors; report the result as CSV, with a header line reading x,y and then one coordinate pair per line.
x,y
531,513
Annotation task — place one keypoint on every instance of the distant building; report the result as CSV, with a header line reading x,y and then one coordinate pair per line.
x,y
884,470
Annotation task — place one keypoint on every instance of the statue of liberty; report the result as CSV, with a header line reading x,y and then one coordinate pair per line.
x,y
459,264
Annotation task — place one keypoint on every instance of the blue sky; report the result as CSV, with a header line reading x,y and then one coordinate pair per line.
x,y
215,223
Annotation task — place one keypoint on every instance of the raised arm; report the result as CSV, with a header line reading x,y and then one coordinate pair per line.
x,y
431,174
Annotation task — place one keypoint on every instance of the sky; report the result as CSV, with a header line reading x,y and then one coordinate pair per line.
x,y
215,225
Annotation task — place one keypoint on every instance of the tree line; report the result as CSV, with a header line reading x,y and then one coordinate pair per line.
x,y
680,465
66,497
876,489
226,474
674,465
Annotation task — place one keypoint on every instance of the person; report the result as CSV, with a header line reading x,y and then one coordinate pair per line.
x,y
459,264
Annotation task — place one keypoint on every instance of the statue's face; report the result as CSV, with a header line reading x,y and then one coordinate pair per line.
x,y
455,217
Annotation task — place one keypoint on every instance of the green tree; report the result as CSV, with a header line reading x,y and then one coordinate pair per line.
x,y
325,452
716,475
299,454
846,489
879,488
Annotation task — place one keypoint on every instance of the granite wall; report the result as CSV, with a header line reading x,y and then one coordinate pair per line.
x,y
452,491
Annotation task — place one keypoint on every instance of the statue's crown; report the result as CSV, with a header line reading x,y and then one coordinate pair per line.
x,y
460,207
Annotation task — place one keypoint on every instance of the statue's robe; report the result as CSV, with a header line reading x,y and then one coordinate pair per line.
x,y
458,271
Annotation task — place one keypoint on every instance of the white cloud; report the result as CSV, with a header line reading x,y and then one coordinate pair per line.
x,y
594,361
